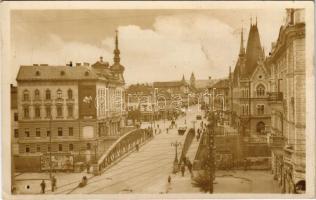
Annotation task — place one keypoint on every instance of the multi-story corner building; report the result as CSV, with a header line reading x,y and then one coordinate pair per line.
x,y
140,103
250,87
68,113
14,121
287,102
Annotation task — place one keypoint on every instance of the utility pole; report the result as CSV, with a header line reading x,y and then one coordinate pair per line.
x,y
211,151
175,163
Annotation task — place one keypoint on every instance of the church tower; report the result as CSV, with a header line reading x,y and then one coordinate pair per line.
x,y
117,67
192,80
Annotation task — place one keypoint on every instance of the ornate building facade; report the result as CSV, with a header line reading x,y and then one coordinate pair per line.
x,y
72,112
287,102
249,88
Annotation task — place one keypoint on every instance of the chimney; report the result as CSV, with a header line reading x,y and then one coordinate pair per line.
x,y
43,64
78,64
35,64
209,78
101,59
86,64
70,63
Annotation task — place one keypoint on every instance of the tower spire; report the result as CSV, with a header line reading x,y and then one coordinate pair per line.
x,y
242,49
116,50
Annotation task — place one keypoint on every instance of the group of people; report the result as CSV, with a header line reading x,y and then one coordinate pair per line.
x,y
53,184
186,163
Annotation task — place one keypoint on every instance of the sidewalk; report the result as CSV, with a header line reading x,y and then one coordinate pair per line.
x,y
29,183
237,181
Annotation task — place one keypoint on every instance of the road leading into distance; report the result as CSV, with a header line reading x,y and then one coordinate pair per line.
x,y
145,171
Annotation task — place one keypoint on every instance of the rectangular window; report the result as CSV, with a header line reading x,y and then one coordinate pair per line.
x,y
260,109
48,133
71,147
16,117
16,133
59,111
38,148
38,132
88,146
27,132
27,149
26,112
60,147
70,111
71,131
48,148
37,112
48,111
60,131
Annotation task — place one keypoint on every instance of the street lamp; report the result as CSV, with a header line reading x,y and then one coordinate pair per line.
x,y
175,162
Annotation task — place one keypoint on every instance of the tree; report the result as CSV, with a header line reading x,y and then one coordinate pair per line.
x,y
202,181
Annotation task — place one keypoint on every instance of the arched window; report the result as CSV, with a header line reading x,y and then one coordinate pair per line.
x,y
260,127
37,94
260,90
26,95
69,94
47,95
59,94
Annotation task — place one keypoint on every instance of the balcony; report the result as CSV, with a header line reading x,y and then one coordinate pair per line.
x,y
276,141
275,96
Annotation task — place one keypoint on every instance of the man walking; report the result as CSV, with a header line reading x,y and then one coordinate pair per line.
x,y
53,182
43,185
182,169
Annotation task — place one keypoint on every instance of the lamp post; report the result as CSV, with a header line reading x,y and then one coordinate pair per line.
x,y
175,162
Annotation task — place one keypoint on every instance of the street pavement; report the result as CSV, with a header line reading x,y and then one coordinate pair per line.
x,y
145,171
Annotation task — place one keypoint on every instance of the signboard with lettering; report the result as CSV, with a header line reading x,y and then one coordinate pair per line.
x,y
87,101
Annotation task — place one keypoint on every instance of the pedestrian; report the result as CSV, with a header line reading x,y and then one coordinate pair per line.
x,y
169,179
53,183
43,185
137,147
88,167
182,169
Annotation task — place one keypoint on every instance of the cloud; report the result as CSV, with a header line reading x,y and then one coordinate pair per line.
x,y
176,45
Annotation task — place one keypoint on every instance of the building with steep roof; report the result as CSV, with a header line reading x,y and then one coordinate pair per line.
x,y
250,87
69,111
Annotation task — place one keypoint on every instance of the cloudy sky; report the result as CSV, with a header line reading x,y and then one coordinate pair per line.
x,y
156,45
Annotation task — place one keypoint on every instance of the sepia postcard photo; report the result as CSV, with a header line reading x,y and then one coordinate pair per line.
x,y
157,100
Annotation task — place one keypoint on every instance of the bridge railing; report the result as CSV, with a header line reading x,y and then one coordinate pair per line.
x,y
124,145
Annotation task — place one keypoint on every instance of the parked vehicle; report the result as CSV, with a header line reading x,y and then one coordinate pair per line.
x,y
181,130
